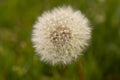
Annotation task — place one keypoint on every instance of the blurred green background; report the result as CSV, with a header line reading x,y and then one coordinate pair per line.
x,y
101,60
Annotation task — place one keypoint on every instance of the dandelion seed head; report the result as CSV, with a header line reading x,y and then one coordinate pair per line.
x,y
60,35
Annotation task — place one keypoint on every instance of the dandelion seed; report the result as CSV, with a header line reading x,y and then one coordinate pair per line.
x,y
61,35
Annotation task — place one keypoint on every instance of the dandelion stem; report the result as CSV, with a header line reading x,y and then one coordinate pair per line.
x,y
80,71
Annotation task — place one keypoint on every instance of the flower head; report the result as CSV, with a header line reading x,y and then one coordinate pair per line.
x,y
59,36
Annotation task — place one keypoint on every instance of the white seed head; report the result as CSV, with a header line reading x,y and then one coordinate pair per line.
x,y
59,36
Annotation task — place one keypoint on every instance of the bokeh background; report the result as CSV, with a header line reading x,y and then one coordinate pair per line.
x,y
101,60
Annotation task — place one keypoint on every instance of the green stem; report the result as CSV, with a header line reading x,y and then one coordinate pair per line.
x,y
81,71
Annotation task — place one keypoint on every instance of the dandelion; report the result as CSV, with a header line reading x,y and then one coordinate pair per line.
x,y
60,35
